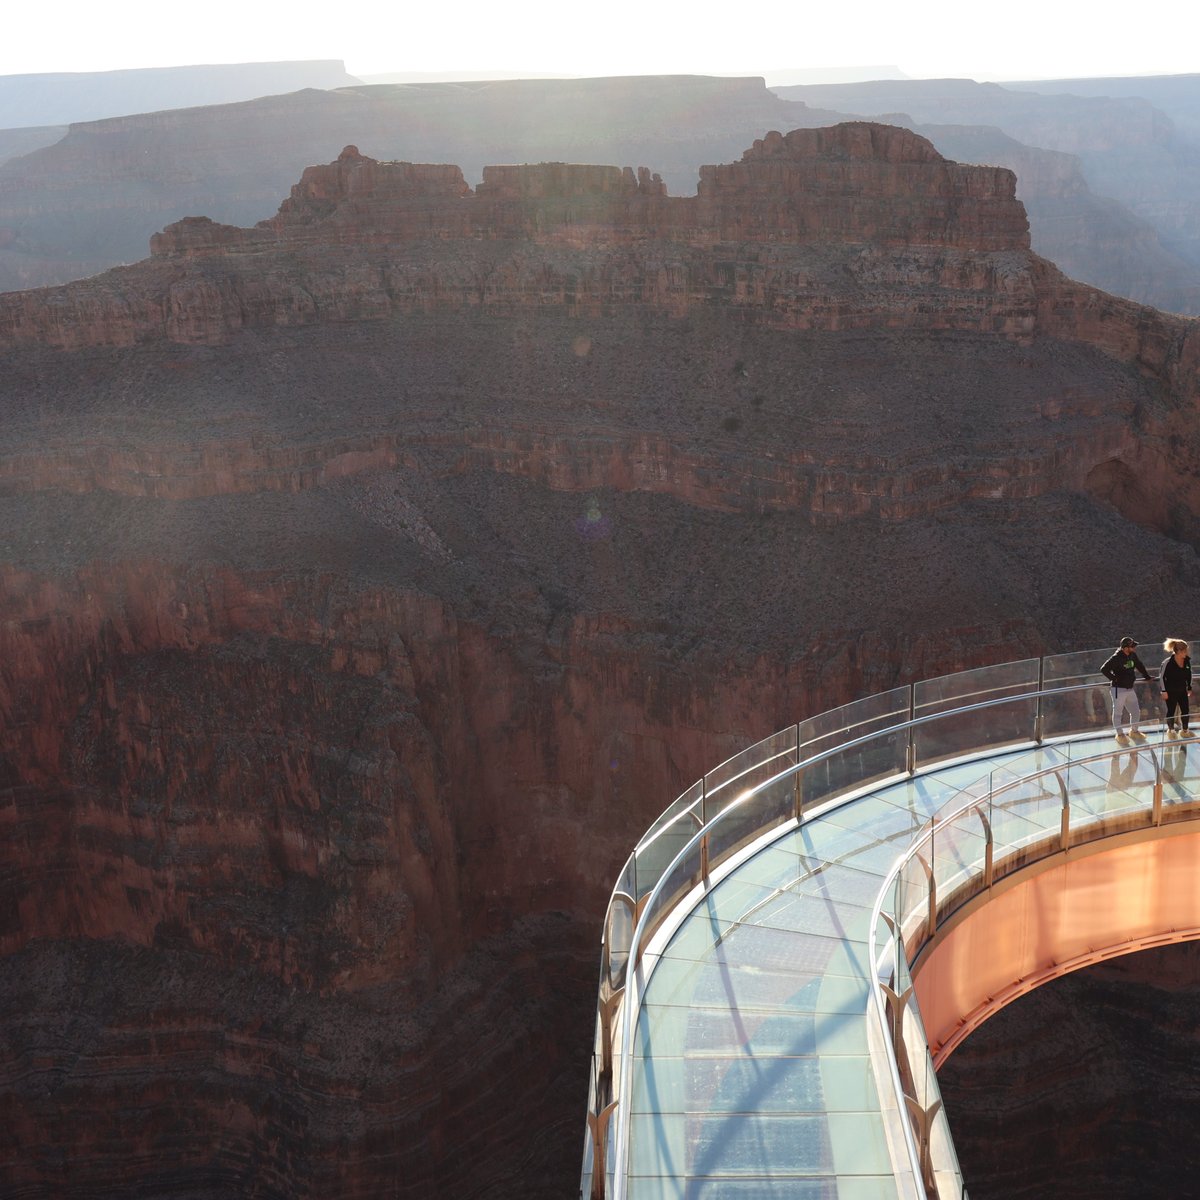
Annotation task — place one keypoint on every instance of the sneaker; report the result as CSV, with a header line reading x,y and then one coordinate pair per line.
x,y
1188,733
1172,733
1122,740
1137,735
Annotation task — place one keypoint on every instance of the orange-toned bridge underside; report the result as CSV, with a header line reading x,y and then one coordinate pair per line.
x,y
1074,909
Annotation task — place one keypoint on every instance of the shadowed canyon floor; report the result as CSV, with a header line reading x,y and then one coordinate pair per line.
x,y
1094,1076
372,577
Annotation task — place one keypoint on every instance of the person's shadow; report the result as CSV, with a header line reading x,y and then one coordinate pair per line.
x,y
1122,770
1174,773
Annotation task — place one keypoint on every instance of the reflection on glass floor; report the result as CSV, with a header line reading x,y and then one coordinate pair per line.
x,y
752,1075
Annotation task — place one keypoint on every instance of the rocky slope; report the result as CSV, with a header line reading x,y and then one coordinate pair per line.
x,y
1090,237
372,576
15,142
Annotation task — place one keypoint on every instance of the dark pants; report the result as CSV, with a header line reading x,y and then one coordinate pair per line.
x,y
1177,700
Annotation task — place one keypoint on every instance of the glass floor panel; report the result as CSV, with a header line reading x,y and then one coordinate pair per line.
x,y
745,1143
719,1083
881,816
675,1032
826,841
854,1187
713,984
777,950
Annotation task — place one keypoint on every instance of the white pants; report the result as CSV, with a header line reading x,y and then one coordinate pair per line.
x,y
1125,703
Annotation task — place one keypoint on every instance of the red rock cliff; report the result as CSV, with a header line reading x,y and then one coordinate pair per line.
x,y
370,578
531,236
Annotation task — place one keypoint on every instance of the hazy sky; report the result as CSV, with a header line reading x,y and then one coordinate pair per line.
x,y
1021,39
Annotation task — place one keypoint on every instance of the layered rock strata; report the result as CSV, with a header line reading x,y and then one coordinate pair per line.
x,y
91,200
1089,236
360,239
370,578
1131,153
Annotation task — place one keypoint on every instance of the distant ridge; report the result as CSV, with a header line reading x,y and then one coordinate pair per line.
x,y
791,76
60,99
781,77
1176,95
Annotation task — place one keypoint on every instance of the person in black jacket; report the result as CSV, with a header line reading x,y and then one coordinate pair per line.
x,y
1176,677
1122,670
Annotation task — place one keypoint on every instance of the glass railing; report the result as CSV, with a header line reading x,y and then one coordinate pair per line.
x,y
822,761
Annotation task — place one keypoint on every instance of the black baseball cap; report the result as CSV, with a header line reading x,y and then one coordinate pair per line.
x,y
1127,643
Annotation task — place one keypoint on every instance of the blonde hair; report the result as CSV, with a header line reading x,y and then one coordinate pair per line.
x,y
1174,645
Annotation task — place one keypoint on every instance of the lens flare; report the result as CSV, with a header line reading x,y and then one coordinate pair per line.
x,y
593,526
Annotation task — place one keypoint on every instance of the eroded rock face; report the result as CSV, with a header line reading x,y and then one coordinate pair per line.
x,y
371,577
808,224
1144,171
1089,236
91,200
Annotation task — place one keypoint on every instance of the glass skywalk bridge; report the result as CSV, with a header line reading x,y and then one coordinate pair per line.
x,y
778,935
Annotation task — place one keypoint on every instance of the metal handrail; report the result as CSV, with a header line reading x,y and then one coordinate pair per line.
x,y
646,909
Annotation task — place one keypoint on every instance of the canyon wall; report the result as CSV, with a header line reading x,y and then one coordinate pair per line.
x,y
92,199
372,576
1088,236
357,239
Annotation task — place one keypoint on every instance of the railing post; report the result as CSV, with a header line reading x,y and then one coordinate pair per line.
x,y
606,948
1158,788
609,1003
989,849
798,785
910,756
1039,716
598,1127
932,894
1064,832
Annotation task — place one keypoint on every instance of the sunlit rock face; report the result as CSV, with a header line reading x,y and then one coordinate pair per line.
x,y
1092,1077
371,577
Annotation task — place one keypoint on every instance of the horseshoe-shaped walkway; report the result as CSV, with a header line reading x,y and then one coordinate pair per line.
x,y
752,1071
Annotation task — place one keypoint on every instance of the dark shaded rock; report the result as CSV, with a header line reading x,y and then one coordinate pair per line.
x,y
1094,1076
